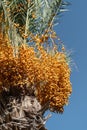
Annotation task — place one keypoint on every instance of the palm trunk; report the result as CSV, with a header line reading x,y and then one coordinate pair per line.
x,y
21,112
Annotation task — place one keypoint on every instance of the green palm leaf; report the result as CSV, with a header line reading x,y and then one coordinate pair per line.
x,y
26,17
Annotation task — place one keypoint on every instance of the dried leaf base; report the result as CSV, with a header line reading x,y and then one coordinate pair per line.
x,y
21,112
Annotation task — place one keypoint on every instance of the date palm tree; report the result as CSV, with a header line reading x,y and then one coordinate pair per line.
x,y
34,66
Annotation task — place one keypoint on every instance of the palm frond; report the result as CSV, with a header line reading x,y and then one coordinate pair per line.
x,y
40,14
27,17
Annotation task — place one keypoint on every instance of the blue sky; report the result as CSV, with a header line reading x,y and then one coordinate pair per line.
x,y
73,32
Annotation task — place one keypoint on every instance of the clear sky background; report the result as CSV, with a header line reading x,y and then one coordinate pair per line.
x,y
73,32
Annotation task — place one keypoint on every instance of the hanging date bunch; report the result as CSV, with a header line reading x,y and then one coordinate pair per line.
x,y
34,65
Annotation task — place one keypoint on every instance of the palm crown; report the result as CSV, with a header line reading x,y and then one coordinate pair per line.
x,y
32,61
